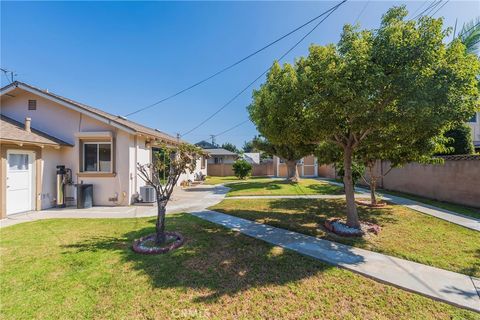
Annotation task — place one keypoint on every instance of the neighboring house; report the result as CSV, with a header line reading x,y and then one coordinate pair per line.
x,y
251,157
206,145
474,124
40,130
221,156
307,167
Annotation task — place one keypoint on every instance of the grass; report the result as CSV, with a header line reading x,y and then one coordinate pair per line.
x,y
279,187
85,269
468,211
229,179
405,233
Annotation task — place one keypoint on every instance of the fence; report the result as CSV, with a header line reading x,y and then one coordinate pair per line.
x,y
226,169
455,181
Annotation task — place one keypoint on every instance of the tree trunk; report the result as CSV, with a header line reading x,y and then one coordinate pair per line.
x,y
352,215
292,171
160,225
373,186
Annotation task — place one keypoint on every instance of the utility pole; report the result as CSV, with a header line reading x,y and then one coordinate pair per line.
x,y
178,137
212,136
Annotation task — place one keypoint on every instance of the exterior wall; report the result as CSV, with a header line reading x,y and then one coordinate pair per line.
x,y
66,124
220,170
224,170
475,126
226,159
455,181
327,171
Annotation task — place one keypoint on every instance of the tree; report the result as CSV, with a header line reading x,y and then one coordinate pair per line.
x,y
248,146
460,140
230,147
278,112
470,35
291,154
180,159
242,168
402,74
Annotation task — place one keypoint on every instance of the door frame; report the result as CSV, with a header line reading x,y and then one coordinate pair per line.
x,y
33,178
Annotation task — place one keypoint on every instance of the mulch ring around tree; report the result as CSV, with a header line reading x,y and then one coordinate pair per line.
x,y
147,244
339,227
368,204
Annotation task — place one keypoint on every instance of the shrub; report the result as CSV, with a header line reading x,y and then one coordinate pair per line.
x,y
357,171
460,140
242,168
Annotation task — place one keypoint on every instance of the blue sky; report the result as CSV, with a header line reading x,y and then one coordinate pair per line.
x,y
121,56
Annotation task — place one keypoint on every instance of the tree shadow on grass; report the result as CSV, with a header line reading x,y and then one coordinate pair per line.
x,y
212,263
308,216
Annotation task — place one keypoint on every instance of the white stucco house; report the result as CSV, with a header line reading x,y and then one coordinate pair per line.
x,y
40,130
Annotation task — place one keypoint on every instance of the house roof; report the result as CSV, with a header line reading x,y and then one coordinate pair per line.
x,y
220,152
14,131
107,117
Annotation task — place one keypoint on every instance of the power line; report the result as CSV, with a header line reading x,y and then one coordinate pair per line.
x,y
361,12
421,6
227,67
329,11
440,8
230,129
431,6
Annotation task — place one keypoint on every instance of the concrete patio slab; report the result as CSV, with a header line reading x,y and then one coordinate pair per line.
x,y
453,288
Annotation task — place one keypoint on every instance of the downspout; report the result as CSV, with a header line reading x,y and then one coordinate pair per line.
x,y
135,182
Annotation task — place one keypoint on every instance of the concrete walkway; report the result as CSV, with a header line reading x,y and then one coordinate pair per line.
x,y
183,200
453,288
450,216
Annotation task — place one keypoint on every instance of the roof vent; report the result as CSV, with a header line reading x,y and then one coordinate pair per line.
x,y
28,122
122,117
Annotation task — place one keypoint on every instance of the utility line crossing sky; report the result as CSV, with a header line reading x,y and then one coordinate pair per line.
x,y
122,56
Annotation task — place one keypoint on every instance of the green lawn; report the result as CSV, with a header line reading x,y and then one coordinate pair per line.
x,y
220,180
468,211
281,187
405,233
85,269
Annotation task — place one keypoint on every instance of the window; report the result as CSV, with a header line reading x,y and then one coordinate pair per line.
x,y
32,104
17,162
218,160
474,118
97,157
203,161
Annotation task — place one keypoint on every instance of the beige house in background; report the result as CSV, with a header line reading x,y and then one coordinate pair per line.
x,y
474,124
40,130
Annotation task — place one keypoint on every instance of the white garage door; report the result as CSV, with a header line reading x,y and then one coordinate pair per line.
x,y
20,178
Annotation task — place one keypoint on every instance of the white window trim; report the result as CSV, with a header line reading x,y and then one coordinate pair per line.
x,y
98,143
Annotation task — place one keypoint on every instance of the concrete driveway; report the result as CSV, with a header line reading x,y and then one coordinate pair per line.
x,y
183,200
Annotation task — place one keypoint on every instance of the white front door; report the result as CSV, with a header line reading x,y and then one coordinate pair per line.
x,y
20,181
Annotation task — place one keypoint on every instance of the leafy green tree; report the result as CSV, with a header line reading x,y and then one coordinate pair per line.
x,y
279,115
402,74
248,146
230,147
242,168
290,153
460,140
